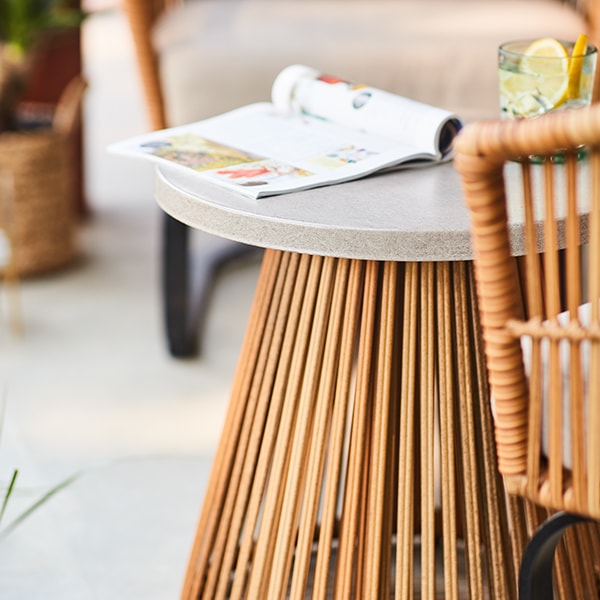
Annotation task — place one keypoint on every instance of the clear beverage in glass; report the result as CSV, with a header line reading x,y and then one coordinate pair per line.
x,y
533,85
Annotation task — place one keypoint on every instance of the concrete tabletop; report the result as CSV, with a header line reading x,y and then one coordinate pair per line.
x,y
404,215
407,215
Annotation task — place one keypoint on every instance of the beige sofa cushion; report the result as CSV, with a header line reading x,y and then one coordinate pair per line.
x,y
220,54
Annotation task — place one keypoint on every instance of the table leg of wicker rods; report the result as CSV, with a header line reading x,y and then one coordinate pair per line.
x,y
356,379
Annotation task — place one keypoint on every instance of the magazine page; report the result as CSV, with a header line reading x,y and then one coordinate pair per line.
x,y
258,151
428,129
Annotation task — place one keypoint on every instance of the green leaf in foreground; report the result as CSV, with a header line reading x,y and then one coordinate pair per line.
x,y
37,504
9,491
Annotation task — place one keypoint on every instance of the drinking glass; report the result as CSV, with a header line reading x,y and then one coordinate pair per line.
x,y
533,85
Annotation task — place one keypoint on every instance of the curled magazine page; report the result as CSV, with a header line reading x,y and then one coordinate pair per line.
x,y
427,128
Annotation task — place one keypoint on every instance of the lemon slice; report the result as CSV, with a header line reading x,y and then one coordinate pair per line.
x,y
534,55
576,65
548,60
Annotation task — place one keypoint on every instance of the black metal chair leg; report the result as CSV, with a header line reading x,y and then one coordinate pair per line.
x,y
535,576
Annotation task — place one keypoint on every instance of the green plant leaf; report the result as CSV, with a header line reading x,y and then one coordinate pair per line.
x,y
11,486
9,491
6,531
22,21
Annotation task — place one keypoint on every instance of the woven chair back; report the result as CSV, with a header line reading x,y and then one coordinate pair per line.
x,y
533,191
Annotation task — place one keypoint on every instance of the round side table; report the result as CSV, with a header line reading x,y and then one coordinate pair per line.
x,y
359,428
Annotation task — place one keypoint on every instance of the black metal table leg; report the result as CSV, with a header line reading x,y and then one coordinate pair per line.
x,y
186,284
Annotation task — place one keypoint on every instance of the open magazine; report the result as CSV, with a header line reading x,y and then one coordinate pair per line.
x,y
318,130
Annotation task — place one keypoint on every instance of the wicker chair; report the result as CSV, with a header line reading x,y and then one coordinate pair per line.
x,y
541,320
367,46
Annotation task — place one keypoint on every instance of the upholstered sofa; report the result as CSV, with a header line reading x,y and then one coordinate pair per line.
x,y
215,55
203,57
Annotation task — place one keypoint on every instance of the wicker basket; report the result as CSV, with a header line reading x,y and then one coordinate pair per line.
x,y
39,167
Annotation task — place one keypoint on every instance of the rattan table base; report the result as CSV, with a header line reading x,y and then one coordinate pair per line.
x,y
359,423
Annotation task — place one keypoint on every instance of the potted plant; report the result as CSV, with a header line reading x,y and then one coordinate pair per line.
x,y
40,134
26,28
